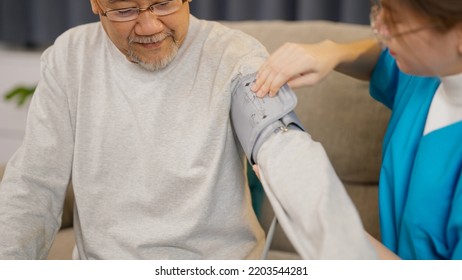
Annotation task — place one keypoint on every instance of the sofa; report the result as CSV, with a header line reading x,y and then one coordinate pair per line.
x,y
338,112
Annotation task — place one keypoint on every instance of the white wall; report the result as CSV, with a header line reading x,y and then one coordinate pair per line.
x,y
16,68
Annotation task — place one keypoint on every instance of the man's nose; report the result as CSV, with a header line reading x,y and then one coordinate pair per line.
x,y
148,24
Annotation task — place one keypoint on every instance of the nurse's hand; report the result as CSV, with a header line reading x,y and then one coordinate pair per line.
x,y
295,64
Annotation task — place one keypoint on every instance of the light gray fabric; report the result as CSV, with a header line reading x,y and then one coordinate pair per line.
x,y
309,200
155,168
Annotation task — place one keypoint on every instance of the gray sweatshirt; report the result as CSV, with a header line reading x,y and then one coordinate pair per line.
x,y
156,170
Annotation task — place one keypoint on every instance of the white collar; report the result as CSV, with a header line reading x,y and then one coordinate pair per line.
x,y
452,88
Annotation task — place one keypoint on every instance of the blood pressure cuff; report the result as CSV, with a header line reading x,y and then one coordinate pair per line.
x,y
256,119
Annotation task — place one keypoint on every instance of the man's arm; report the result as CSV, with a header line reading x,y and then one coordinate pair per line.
x,y
309,200
256,119
33,188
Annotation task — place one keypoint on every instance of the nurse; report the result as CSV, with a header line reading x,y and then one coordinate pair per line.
x,y
415,69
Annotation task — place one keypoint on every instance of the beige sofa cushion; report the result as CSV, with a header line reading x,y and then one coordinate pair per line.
x,y
338,112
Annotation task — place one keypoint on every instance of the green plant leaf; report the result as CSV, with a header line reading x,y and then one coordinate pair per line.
x,y
21,94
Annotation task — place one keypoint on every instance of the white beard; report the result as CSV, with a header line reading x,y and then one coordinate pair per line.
x,y
158,64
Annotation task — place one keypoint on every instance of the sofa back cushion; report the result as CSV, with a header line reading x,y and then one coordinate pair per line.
x,y
338,111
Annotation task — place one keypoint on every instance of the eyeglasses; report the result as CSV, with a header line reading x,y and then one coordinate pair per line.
x,y
380,29
159,9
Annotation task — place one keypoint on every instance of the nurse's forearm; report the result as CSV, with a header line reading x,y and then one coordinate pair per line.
x,y
357,59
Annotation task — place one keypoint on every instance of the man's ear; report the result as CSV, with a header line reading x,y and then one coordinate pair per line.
x,y
95,7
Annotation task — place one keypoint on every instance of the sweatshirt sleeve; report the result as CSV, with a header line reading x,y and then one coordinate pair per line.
x,y
36,177
309,200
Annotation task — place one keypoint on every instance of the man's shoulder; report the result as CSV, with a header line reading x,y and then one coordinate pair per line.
x,y
219,32
74,43
81,33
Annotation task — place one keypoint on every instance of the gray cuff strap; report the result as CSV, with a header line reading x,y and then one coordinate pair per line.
x,y
255,119
289,121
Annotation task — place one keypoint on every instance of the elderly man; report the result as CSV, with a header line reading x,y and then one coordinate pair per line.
x,y
134,110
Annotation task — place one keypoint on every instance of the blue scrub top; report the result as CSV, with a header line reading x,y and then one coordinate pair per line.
x,y
420,188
